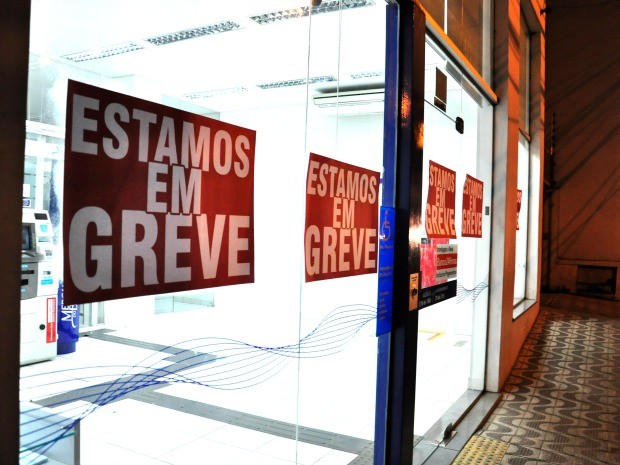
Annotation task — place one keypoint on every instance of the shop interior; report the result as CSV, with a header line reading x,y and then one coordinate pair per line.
x,y
278,371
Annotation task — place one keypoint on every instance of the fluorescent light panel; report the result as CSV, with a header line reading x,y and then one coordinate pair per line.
x,y
96,54
301,11
163,39
366,74
218,28
216,92
297,82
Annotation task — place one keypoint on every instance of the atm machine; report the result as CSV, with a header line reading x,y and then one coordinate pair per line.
x,y
39,288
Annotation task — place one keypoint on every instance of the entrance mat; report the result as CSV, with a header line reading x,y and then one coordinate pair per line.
x,y
482,451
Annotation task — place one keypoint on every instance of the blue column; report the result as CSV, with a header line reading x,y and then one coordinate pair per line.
x,y
402,190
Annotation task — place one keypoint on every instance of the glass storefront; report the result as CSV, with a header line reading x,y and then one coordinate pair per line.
x,y
280,370
277,371
451,333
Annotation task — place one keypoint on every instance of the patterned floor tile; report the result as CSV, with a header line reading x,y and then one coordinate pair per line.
x,y
561,401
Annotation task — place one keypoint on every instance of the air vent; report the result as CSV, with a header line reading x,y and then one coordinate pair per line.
x,y
103,52
596,281
218,28
297,82
355,98
301,11
216,93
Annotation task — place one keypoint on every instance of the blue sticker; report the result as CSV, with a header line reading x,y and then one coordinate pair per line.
x,y
386,270
45,281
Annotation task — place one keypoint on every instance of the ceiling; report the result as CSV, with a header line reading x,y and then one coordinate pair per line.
x,y
130,41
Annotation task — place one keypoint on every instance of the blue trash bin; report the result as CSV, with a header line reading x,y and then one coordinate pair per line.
x,y
68,325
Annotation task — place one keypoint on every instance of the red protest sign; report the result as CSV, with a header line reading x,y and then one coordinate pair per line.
x,y
341,219
472,207
156,199
440,202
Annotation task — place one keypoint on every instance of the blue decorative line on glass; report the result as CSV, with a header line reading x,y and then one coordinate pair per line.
x,y
463,293
213,362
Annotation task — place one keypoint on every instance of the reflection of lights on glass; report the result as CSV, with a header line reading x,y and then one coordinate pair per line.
x,y
405,106
298,11
415,231
420,135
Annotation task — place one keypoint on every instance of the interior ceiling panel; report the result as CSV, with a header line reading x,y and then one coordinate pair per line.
x,y
204,46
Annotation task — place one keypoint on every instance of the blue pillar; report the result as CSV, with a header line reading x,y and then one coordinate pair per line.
x,y
402,190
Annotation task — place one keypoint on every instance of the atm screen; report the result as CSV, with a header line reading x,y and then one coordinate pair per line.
x,y
26,237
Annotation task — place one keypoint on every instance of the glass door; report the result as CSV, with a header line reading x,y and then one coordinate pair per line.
x,y
456,196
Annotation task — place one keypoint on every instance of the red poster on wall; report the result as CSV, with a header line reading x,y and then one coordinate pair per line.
x,y
472,207
341,219
440,202
519,197
156,199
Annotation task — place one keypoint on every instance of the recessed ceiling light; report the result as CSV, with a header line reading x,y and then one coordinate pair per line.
x,y
105,52
218,28
366,74
216,92
297,82
301,11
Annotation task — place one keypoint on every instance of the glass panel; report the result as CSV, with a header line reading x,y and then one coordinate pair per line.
x,y
452,333
465,29
522,218
278,371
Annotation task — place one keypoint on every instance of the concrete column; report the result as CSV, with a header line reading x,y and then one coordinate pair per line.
x,y
504,204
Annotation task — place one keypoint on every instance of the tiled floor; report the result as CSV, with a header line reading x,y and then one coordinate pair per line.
x,y
561,403
140,397
126,416
560,406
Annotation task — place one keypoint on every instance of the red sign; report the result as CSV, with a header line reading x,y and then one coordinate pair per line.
x,y
440,202
472,207
156,199
447,261
341,219
50,320
428,260
519,197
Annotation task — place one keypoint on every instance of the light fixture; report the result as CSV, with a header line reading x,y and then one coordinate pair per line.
x,y
105,52
216,92
304,10
366,74
193,33
297,82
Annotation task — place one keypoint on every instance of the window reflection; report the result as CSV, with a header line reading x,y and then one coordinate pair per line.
x,y
461,20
